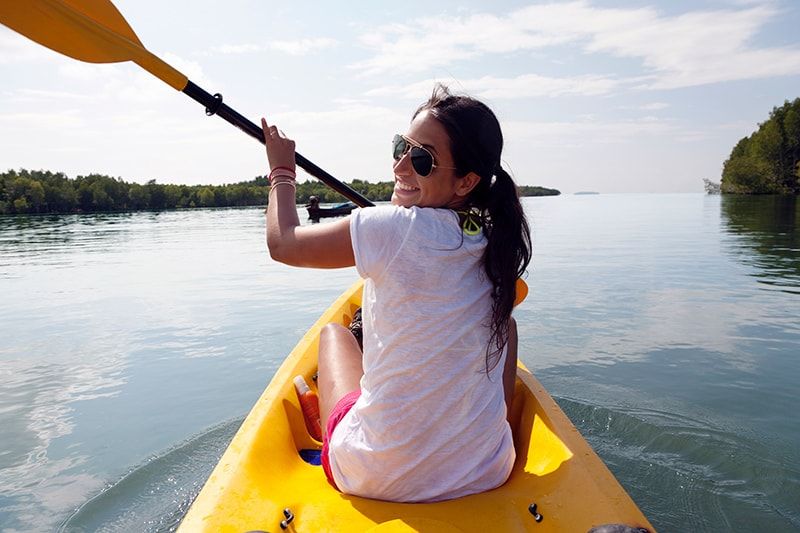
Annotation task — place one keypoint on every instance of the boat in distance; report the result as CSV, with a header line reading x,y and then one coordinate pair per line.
x,y
315,212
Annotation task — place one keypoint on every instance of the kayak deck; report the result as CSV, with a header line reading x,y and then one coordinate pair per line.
x,y
261,474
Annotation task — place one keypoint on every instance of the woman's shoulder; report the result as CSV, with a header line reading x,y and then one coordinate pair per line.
x,y
416,213
392,215
428,221
383,211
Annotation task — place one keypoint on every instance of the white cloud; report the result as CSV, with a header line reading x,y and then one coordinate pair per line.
x,y
192,69
654,106
237,49
524,86
350,140
127,82
439,41
699,47
694,48
582,132
302,46
15,49
34,96
64,119
297,47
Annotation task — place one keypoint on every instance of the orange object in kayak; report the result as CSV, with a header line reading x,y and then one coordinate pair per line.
x,y
309,405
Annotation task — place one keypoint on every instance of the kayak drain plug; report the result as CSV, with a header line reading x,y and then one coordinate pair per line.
x,y
289,517
534,512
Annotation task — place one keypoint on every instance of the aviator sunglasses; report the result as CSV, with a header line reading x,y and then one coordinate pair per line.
x,y
421,158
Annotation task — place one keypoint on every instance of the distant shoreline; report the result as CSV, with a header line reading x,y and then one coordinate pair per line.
x,y
32,192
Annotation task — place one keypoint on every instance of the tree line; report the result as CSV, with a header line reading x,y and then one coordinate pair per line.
x,y
42,191
767,161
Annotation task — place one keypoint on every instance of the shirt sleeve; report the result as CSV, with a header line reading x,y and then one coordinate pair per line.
x,y
377,234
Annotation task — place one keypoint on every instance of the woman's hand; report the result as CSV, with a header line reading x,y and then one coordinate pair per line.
x,y
280,149
318,245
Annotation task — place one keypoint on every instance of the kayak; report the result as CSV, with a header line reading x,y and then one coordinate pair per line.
x,y
266,479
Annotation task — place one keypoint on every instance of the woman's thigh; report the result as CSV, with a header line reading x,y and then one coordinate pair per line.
x,y
340,368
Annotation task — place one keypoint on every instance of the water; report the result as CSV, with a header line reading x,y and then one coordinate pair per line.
x,y
666,326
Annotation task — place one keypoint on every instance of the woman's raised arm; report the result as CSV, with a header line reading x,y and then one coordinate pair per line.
x,y
318,246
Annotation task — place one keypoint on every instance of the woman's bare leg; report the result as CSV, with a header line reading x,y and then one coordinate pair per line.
x,y
340,367
510,367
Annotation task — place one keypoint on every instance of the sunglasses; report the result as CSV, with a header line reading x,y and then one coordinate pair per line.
x,y
421,159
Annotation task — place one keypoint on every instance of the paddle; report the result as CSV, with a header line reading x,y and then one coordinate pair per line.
x,y
96,32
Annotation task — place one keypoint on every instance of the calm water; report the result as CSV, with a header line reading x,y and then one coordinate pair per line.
x,y
666,326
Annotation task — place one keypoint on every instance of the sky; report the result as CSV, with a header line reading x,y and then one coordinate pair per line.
x,y
608,96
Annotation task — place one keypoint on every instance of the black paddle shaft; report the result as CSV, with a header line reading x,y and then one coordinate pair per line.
x,y
214,106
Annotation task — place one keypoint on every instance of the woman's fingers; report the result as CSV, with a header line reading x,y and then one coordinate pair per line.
x,y
271,131
280,149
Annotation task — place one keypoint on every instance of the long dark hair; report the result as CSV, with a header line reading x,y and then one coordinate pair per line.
x,y
476,143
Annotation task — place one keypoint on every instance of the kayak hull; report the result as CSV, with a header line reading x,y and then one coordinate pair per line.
x,y
261,480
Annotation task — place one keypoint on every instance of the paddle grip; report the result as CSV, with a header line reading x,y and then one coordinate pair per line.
x,y
215,106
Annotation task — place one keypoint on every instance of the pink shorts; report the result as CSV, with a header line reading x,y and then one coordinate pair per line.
x,y
339,410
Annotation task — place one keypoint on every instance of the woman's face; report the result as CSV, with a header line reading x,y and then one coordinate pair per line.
x,y
442,187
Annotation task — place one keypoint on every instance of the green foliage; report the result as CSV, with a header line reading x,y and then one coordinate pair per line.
x,y
377,192
768,161
41,191
382,191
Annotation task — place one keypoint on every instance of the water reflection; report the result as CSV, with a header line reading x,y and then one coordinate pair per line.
x,y
155,495
52,239
770,227
37,410
648,318
124,333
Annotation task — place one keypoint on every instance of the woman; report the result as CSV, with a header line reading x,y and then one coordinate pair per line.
x,y
421,414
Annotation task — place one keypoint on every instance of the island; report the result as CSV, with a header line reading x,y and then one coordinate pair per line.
x,y
534,190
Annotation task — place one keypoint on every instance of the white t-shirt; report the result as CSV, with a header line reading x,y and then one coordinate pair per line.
x,y
430,424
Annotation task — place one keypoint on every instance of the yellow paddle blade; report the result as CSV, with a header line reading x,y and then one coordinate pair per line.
x,y
88,30
522,292
66,26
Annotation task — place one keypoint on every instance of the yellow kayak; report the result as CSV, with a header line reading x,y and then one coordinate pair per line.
x,y
262,483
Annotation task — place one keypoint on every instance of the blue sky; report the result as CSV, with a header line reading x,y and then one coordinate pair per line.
x,y
608,96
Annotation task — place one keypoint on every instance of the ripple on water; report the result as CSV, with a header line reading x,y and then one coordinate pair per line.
x,y
711,479
155,496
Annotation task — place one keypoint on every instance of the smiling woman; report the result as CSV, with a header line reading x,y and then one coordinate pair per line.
x,y
453,242
419,179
